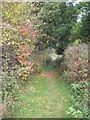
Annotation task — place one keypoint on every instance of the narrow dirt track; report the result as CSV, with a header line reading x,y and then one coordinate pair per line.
x,y
50,74
51,78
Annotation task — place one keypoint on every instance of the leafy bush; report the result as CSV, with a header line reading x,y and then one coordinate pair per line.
x,y
9,90
18,42
79,100
76,58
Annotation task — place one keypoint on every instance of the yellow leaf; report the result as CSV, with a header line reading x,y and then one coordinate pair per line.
x,y
9,43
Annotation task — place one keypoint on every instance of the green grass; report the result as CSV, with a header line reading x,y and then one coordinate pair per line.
x,y
49,68
43,98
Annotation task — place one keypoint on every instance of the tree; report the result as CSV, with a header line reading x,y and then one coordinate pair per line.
x,y
56,24
81,29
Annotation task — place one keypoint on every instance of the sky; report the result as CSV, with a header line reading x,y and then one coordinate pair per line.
x,y
77,1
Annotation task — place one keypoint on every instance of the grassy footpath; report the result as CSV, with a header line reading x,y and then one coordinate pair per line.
x,y
46,96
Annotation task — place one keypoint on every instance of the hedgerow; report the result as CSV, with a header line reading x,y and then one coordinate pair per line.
x,y
76,60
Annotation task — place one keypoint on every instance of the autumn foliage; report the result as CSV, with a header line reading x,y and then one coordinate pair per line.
x,y
76,58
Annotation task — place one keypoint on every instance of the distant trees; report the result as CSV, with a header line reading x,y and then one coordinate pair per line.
x,y
59,25
81,29
56,24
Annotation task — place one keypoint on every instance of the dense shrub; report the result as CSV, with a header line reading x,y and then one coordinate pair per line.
x,y
19,37
76,59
